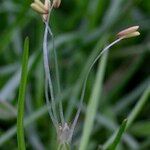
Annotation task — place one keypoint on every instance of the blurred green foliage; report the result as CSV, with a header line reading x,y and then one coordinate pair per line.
x,y
80,27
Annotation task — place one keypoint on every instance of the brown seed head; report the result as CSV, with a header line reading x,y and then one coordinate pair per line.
x,y
38,9
129,32
134,34
38,2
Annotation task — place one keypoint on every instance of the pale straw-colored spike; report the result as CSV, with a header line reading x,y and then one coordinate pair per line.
x,y
38,2
56,3
127,31
133,34
38,9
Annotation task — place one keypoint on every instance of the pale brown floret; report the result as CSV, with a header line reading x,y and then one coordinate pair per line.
x,y
38,9
45,9
134,34
129,32
38,2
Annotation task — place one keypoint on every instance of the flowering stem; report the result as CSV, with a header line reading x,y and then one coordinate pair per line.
x,y
85,82
49,105
57,74
48,76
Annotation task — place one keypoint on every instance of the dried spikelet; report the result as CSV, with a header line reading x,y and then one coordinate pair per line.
x,y
134,34
38,9
56,3
129,32
38,2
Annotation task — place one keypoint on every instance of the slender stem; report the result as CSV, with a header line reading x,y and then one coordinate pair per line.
x,y
49,105
57,74
47,72
58,82
85,82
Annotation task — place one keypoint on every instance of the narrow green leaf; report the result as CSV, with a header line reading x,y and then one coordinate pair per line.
x,y
21,98
134,113
138,107
118,136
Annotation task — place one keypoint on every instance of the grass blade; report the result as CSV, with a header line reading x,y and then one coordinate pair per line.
x,y
138,107
136,110
21,98
93,103
118,135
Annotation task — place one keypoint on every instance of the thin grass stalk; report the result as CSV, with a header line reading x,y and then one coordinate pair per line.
x,y
47,74
49,106
80,80
57,74
93,102
85,82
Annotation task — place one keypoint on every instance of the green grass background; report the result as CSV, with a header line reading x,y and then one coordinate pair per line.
x,y
118,86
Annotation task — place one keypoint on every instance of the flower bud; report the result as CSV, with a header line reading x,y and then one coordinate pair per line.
x,y
38,2
38,9
129,32
134,34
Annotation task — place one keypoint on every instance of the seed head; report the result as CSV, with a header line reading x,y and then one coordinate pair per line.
x,y
39,7
134,34
38,2
129,32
